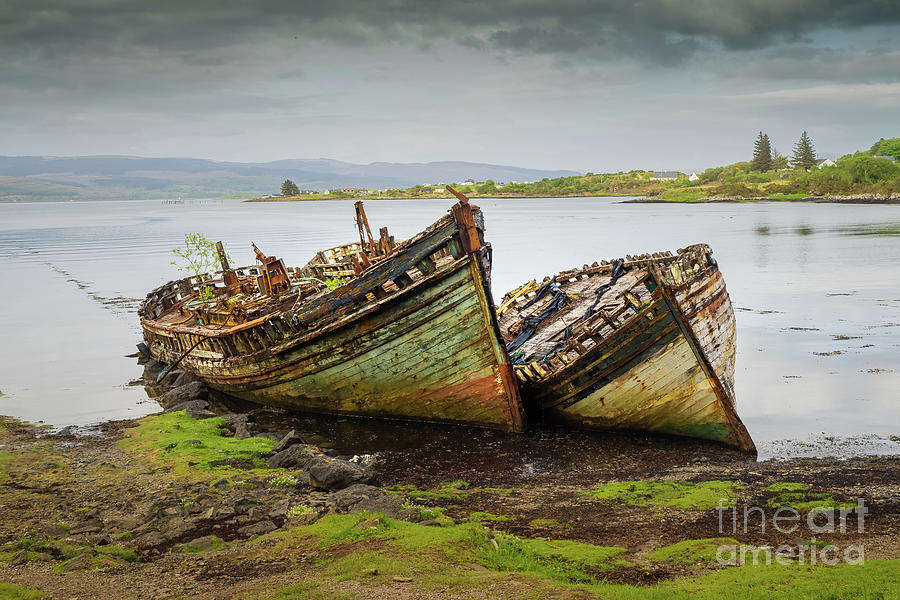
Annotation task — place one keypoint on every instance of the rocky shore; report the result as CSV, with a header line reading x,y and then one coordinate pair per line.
x,y
201,503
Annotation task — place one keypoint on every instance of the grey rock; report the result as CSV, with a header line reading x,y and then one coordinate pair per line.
x,y
53,530
430,523
192,442
200,414
328,473
257,513
294,457
279,509
411,515
241,432
353,494
174,398
203,544
178,378
196,404
286,442
390,505
80,562
149,540
19,558
267,436
232,419
257,529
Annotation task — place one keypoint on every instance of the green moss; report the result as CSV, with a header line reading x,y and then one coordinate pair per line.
x,y
306,590
806,501
561,561
486,516
217,544
785,486
445,491
9,591
195,448
548,523
673,494
419,548
691,551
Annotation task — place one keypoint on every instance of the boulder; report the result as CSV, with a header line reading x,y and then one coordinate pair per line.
x,y
294,457
389,504
233,419
257,529
178,378
176,397
291,439
354,494
241,432
328,473
207,543
149,540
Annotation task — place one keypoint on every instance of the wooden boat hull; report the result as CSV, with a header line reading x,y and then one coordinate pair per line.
x,y
669,368
429,351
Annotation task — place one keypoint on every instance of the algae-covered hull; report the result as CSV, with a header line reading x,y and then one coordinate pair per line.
x,y
644,344
411,335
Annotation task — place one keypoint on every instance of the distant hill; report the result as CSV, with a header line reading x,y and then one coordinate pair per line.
x,y
36,178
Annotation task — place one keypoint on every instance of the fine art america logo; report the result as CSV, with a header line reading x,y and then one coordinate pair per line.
x,y
786,520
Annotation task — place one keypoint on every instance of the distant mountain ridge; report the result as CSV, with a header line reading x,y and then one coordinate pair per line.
x,y
31,178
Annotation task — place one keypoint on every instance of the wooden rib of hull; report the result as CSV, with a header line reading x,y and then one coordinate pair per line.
x,y
429,352
668,369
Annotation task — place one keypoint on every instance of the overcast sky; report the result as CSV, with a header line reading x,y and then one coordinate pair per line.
x,y
592,86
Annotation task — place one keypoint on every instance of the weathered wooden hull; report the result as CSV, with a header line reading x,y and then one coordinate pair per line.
x,y
429,350
668,368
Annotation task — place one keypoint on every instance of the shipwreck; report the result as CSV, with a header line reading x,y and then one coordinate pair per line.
x,y
409,332
646,343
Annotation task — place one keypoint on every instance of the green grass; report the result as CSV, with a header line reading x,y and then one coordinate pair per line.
x,y
806,501
447,490
691,551
308,590
9,591
161,439
443,557
671,494
785,486
547,523
478,516
217,544
684,195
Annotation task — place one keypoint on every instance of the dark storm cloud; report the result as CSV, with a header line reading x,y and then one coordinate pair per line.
x,y
660,31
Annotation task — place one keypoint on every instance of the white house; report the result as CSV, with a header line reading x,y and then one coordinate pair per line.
x,y
693,177
825,162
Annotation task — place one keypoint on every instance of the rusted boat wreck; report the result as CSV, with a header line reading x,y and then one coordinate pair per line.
x,y
409,332
646,343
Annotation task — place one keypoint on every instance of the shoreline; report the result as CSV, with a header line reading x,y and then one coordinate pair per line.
x,y
857,200
201,502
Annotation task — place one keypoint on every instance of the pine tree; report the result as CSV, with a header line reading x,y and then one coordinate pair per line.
x,y
762,154
804,154
289,188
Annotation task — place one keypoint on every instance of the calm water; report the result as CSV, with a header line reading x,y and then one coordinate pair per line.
x,y
816,290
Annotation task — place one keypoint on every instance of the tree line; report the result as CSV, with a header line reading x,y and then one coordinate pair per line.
x,y
767,158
